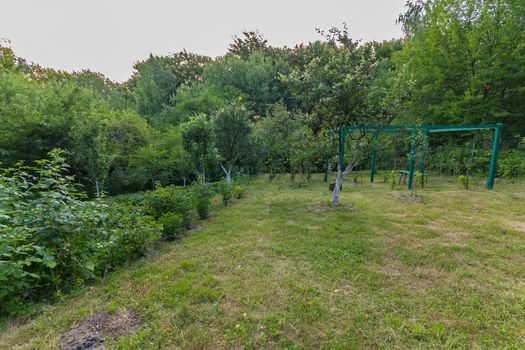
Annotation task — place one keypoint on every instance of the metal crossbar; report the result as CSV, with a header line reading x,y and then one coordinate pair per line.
x,y
414,129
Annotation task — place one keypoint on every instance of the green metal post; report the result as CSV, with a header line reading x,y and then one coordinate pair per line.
x,y
412,159
374,157
494,157
423,159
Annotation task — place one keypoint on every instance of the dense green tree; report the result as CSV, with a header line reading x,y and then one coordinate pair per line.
x,y
198,140
255,78
200,98
91,149
233,137
463,62
157,79
162,160
333,92
273,134
246,44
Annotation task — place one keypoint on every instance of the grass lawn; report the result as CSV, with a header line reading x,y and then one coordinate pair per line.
x,y
283,270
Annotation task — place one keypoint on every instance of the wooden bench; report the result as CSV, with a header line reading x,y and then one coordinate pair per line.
x,y
403,174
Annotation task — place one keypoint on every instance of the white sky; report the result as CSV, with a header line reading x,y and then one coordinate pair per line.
x,y
108,36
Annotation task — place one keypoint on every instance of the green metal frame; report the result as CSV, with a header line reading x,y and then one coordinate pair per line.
x,y
414,130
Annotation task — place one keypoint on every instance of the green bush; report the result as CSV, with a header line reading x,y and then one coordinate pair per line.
x,y
226,191
131,236
48,232
463,180
172,224
393,176
53,238
171,199
238,191
512,163
202,194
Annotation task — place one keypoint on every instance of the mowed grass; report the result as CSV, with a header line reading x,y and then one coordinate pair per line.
x,y
281,269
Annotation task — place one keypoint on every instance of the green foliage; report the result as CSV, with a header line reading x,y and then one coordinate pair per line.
x,y
200,98
172,224
52,238
131,236
168,204
254,77
162,160
202,194
464,181
511,163
159,77
238,191
198,141
463,62
392,175
48,231
226,192
232,130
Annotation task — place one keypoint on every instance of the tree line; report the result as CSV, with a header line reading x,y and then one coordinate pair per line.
x,y
186,117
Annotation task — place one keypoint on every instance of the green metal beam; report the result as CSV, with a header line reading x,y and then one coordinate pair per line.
x,y
429,128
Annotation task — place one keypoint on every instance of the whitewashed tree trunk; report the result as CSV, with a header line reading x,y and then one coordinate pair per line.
x,y
341,174
97,186
337,188
227,173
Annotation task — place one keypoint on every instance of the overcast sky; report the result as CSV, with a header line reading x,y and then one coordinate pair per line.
x,y
108,36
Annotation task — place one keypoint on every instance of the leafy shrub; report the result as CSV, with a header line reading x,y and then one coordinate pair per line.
x,y
392,175
511,163
172,224
226,191
463,180
202,194
171,199
52,237
47,231
131,236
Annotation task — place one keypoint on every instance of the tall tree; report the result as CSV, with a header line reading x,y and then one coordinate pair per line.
x,y
198,140
333,92
233,136
249,42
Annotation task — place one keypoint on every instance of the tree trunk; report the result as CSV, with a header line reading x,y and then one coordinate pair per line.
x,y
228,173
337,188
341,173
97,188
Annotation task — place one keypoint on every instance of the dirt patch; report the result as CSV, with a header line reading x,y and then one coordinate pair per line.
x,y
517,226
407,197
414,278
327,206
92,332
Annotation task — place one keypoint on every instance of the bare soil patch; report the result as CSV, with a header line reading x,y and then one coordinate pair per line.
x,y
92,332
517,226
327,206
407,197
